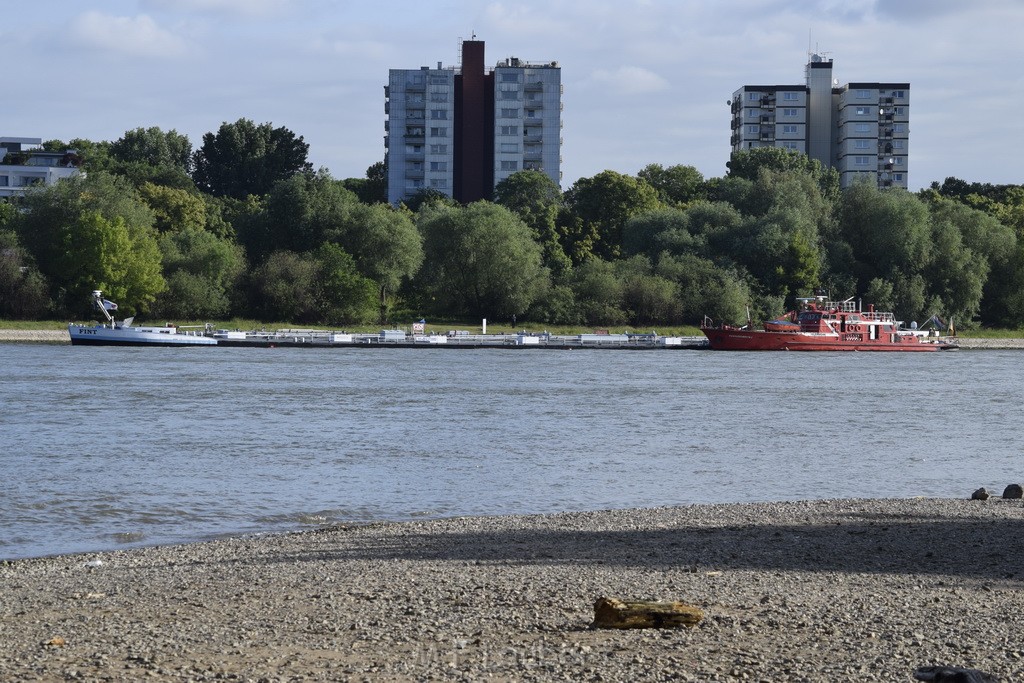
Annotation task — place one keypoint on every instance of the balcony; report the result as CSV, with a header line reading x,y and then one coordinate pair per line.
x,y
534,87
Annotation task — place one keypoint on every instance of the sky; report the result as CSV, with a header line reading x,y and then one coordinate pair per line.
x,y
645,81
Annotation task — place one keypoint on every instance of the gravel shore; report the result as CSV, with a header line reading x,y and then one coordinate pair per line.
x,y
843,590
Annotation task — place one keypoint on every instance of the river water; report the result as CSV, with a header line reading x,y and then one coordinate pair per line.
x,y
106,448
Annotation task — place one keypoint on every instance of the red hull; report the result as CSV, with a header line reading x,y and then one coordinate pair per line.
x,y
733,339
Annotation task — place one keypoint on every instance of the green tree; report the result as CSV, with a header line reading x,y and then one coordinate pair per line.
x,y
299,214
202,272
748,163
705,289
428,196
283,288
386,246
92,156
318,287
108,255
373,189
676,185
889,233
153,147
480,260
67,226
599,207
174,209
344,296
536,199
243,158
648,297
23,290
599,293
657,231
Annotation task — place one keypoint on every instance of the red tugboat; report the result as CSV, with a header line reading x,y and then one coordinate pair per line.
x,y
822,325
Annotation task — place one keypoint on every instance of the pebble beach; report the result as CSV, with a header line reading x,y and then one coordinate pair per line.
x,y
864,590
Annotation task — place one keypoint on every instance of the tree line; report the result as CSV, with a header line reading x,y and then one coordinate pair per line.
x,y
243,226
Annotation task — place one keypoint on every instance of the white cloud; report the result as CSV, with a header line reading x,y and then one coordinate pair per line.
x,y
630,80
245,8
138,36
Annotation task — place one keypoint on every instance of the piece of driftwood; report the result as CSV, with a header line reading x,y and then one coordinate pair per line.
x,y
953,674
614,613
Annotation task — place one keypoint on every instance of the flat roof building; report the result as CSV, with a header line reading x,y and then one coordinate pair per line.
x,y
462,130
860,129
23,163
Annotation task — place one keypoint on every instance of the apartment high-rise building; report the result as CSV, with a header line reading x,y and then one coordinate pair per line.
x,y
462,130
860,129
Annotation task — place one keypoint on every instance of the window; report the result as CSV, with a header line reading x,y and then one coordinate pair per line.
x,y
862,144
791,96
509,77
753,129
791,129
789,112
752,113
899,94
415,114
898,144
414,149
862,161
789,144
438,80
510,130
510,166
899,111
439,149
414,131
438,132
863,94
897,176
753,96
438,114
512,113
509,148
4,181
438,97
862,128
414,97
439,183
899,128
438,165
863,111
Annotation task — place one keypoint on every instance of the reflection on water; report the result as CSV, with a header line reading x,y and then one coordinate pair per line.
x,y
107,447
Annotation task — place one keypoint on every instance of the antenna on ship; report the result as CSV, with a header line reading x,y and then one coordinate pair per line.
x,y
103,305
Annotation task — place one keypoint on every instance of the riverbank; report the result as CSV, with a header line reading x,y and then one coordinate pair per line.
x,y
61,337
865,590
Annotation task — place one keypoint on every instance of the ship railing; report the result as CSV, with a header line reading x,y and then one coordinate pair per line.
x,y
879,316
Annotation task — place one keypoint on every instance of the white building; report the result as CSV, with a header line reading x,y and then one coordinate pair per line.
x,y
860,129
24,164
462,130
